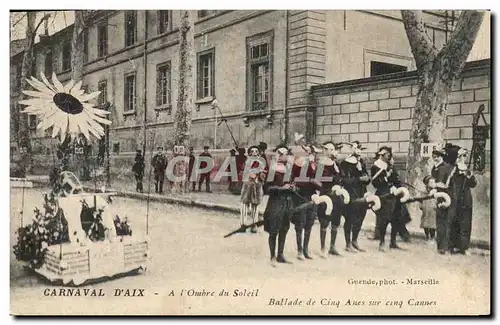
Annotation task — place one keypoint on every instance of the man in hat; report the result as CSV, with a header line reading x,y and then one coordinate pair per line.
x,y
159,165
385,180
138,170
241,159
355,179
462,181
230,180
205,177
331,171
192,159
252,189
307,185
439,180
279,206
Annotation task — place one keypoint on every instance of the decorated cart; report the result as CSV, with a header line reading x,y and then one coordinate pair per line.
x,y
74,238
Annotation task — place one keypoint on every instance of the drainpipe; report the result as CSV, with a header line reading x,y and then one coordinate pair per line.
x,y
144,100
287,54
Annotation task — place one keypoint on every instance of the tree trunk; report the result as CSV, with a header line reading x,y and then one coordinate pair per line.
x,y
21,120
437,71
77,46
182,121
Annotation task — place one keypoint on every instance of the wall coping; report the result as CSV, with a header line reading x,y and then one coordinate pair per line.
x,y
409,77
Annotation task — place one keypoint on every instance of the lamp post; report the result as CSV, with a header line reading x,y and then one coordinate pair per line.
x,y
214,105
107,107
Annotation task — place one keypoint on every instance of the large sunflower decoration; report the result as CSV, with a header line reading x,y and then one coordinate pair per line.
x,y
65,108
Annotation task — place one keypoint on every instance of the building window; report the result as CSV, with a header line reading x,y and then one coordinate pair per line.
x,y
116,147
130,27
259,69
19,71
206,72
102,40
164,22
33,66
66,56
163,86
379,68
48,64
103,96
205,13
130,94
86,45
32,121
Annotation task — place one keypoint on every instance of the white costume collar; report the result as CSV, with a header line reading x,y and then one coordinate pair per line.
x,y
381,164
352,159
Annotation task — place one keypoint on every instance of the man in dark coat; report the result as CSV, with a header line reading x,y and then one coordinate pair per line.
x,y
461,183
385,180
306,185
138,170
440,179
332,171
159,165
355,179
279,206
230,180
205,177
192,159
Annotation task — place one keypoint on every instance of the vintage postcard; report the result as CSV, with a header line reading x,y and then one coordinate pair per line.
x,y
250,162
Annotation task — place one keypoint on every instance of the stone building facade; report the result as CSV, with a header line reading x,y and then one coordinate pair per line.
x,y
260,65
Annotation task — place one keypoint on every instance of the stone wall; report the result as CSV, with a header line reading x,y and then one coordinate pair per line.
x,y
378,111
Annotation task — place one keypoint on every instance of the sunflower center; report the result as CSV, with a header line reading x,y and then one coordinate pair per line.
x,y
68,103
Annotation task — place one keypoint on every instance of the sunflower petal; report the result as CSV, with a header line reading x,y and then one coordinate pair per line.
x,y
40,86
55,130
94,132
38,102
98,119
59,86
47,83
46,123
73,123
64,124
94,126
84,129
69,85
100,112
38,94
32,110
87,97
76,88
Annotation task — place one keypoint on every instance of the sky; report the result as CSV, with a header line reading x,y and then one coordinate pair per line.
x,y
62,19
59,20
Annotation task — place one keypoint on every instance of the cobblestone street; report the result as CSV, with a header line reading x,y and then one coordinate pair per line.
x,y
188,251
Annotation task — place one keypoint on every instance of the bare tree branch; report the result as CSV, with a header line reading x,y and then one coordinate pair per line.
x,y
19,20
421,44
457,49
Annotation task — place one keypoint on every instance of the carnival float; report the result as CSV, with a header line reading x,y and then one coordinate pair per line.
x,y
74,239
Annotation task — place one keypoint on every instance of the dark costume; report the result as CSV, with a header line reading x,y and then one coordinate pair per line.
x,y
138,170
460,186
205,177
241,159
352,169
277,213
384,178
230,180
332,171
159,166
304,219
192,159
441,173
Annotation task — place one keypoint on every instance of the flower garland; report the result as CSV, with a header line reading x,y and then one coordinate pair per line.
x,y
48,228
